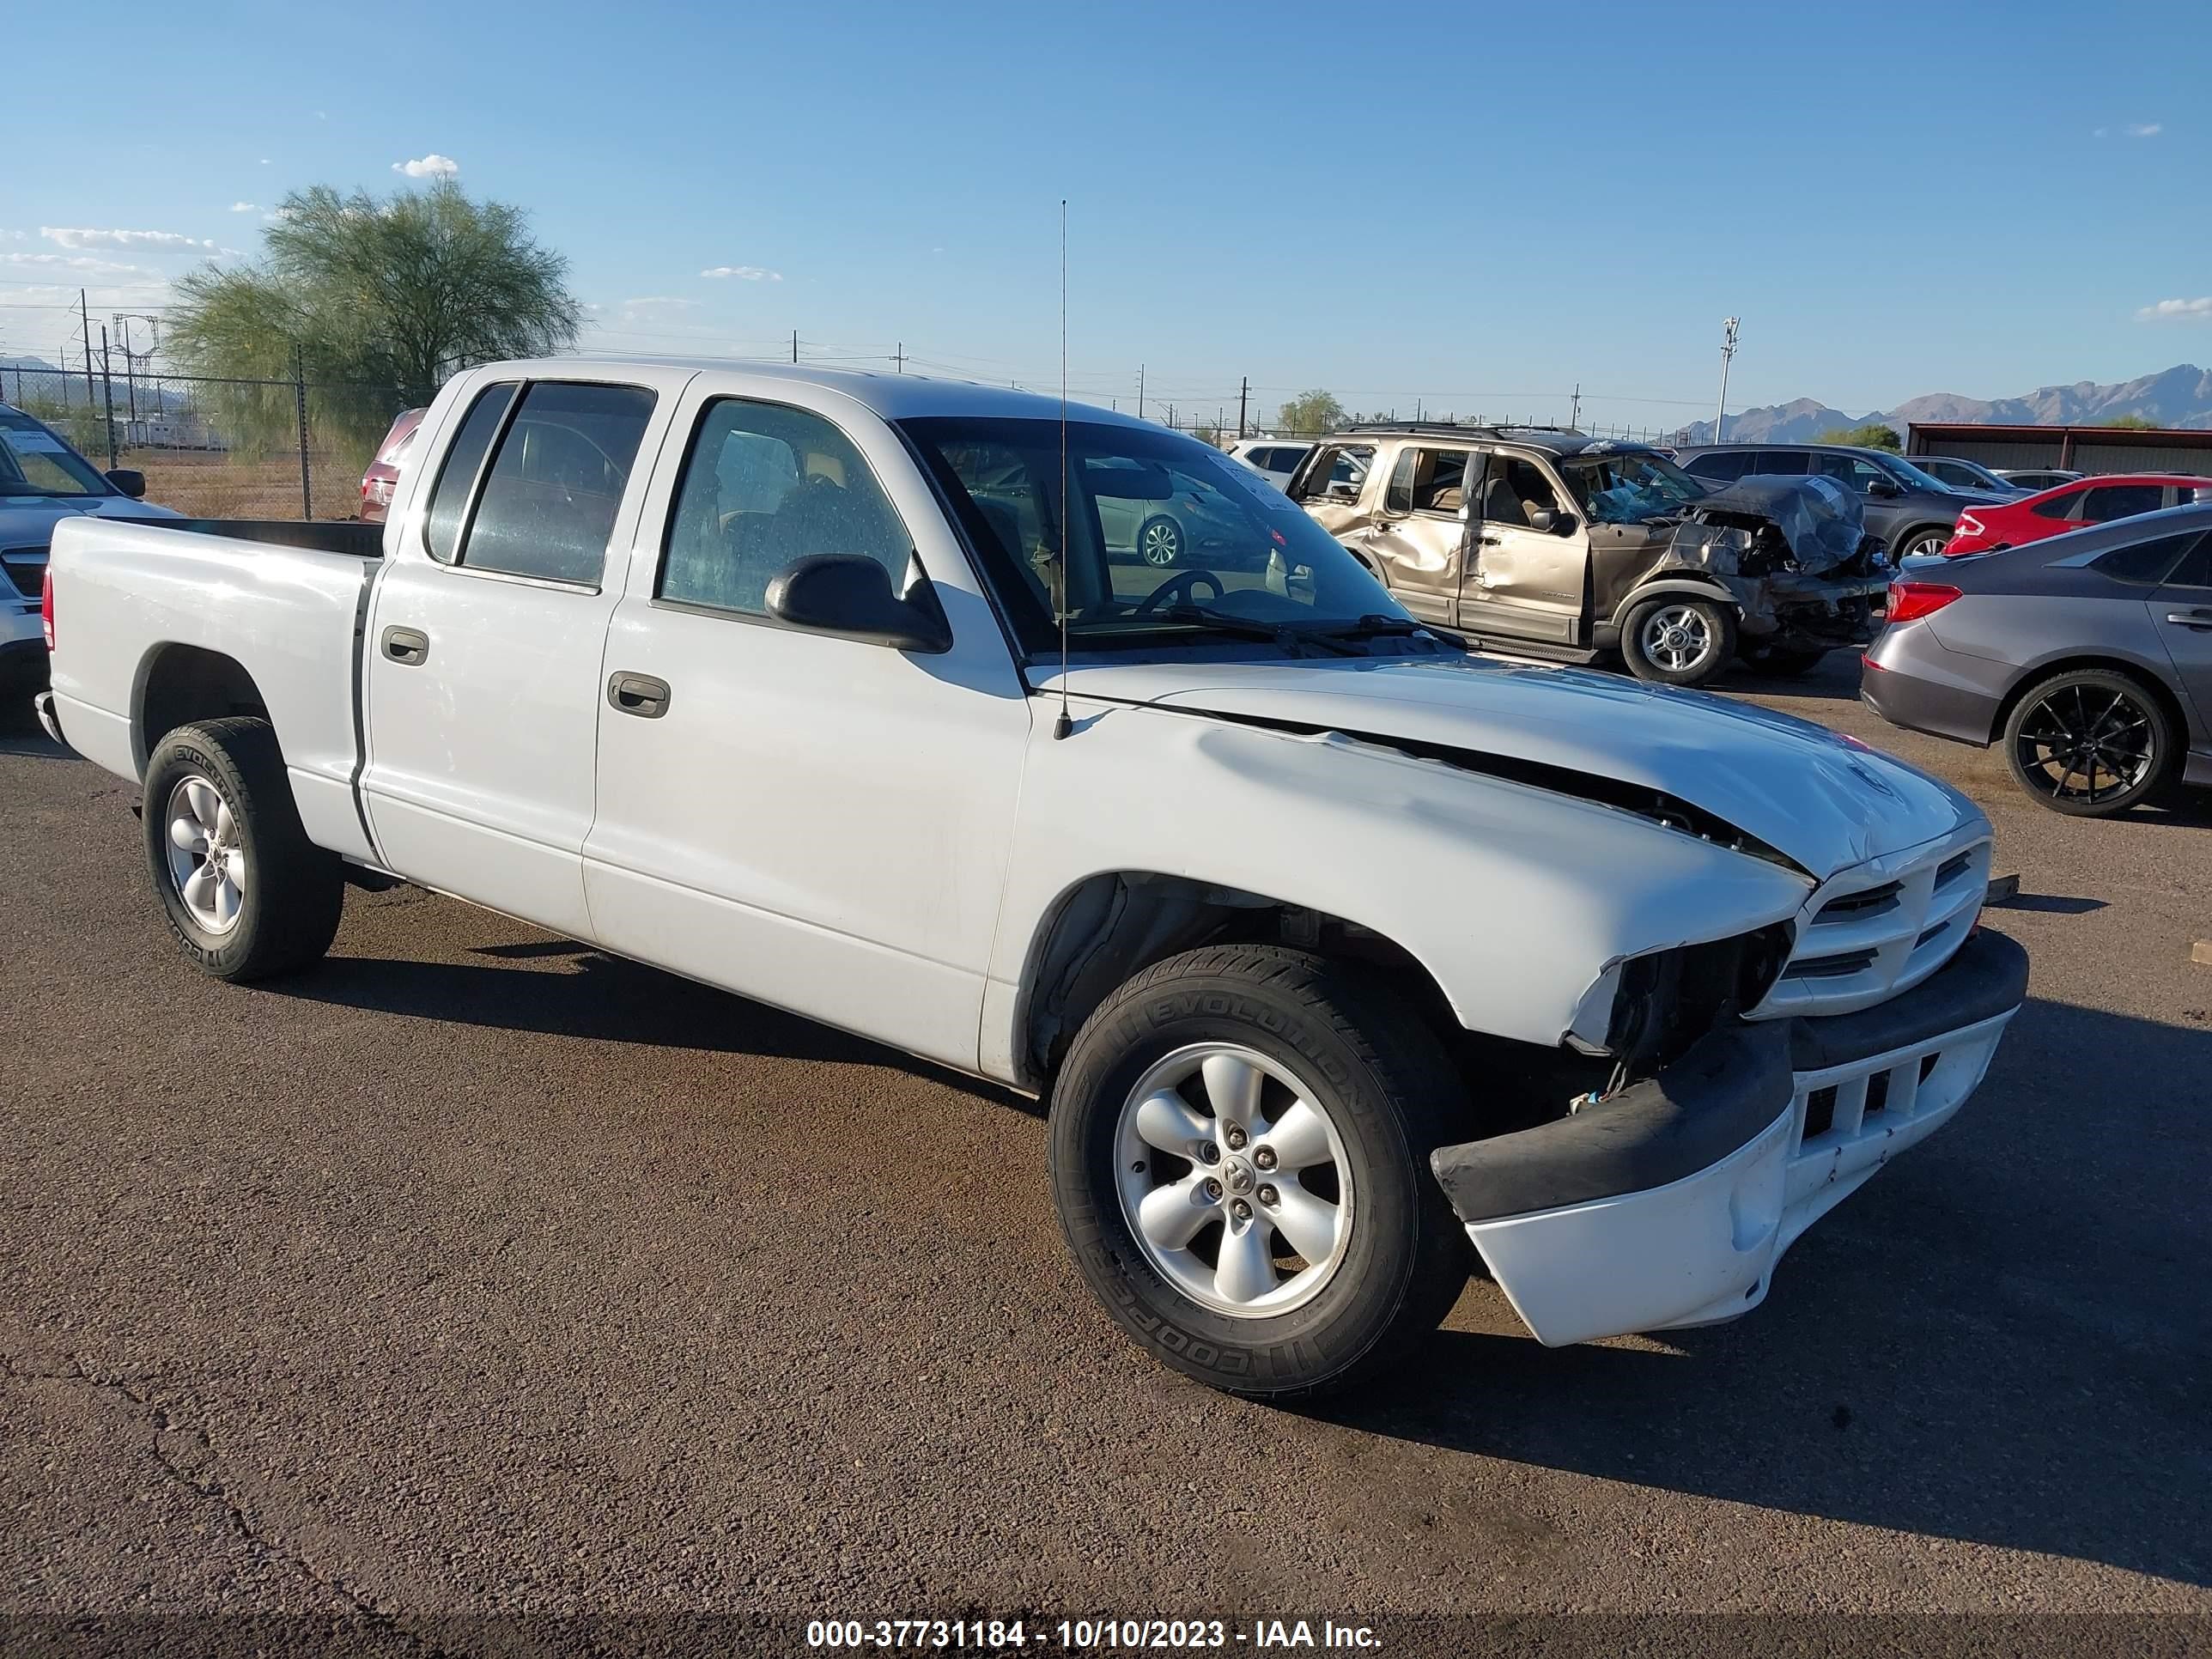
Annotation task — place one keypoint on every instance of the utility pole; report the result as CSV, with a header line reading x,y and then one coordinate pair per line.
x,y
1243,392
84,314
898,356
1727,350
794,346
1141,391
1574,413
108,381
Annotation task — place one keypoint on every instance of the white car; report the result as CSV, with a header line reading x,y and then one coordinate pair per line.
x,y
1273,459
1340,953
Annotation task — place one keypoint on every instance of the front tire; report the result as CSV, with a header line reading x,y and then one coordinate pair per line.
x,y
1674,641
1159,541
1240,1140
247,894
2089,744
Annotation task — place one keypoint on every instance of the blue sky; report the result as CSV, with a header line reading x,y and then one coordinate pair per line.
x,y
1475,206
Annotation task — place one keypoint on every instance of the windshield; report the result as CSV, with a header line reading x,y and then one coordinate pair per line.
x,y
35,462
1168,540
1629,488
1911,477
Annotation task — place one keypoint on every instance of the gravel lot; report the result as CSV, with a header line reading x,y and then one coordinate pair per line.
x,y
478,1273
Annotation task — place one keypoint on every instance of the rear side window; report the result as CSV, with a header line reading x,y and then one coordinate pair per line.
x,y
2110,501
1724,468
449,497
2149,562
549,501
2060,507
2195,569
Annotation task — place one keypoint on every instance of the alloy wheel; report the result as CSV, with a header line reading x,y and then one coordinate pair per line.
x,y
2085,744
1160,542
1677,637
207,857
1234,1179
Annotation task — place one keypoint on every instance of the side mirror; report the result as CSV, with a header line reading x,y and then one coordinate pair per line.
x,y
1883,490
1344,492
849,595
130,481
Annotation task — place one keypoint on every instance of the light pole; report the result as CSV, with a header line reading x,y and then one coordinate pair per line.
x,y
1727,350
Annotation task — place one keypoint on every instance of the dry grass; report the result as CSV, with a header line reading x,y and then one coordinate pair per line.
x,y
204,485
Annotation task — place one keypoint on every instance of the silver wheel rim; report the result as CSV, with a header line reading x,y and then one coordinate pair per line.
x,y
1677,637
1929,545
207,864
1161,542
1233,1179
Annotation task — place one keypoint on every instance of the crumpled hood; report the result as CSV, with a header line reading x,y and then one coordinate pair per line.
x,y
1821,520
1826,801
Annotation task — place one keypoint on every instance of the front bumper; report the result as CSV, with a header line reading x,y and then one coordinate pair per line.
x,y
1668,1204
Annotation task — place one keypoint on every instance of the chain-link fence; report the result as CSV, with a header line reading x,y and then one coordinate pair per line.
x,y
217,448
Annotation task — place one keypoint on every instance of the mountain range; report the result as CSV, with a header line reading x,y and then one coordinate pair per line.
x,y
2177,397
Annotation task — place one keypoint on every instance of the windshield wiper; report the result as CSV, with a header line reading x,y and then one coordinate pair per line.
x,y
1373,625
1290,638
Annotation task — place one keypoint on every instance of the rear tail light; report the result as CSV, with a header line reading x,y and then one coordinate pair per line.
x,y
1910,601
46,606
1968,525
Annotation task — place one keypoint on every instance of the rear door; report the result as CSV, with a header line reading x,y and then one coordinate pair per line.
x,y
482,658
1420,537
1526,582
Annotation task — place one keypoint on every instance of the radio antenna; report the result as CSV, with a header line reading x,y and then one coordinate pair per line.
x,y
1062,725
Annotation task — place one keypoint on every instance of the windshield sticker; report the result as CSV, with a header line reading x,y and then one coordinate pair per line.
x,y
25,443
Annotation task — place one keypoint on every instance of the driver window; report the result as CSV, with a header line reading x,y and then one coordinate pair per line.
x,y
1517,488
764,486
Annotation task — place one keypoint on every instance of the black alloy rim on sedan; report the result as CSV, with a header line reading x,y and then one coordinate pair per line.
x,y
2086,744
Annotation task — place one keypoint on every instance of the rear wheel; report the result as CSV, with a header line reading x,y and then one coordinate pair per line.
x,y
1159,541
247,893
2089,744
1240,1141
1677,642
1925,542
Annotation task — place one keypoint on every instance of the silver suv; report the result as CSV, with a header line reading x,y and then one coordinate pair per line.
x,y
1579,548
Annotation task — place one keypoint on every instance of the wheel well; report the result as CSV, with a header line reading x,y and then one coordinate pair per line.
x,y
1109,928
2157,689
181,684
1904,537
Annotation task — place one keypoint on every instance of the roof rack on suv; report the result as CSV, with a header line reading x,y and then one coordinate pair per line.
x,y
1458,428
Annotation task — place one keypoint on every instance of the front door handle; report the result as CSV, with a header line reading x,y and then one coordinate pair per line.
x,y
2197,618
639,694
410,645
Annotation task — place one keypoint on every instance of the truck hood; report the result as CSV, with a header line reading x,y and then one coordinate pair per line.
x,y
1825,802
29,520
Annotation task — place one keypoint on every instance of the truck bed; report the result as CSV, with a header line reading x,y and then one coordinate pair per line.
x,y
270,609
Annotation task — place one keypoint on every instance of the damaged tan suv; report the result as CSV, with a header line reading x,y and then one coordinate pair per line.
x,y
1578,547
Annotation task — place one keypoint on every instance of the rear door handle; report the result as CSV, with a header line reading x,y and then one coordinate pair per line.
x,y
2197,618
410,645
639,694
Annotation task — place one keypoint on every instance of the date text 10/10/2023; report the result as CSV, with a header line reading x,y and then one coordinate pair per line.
x,y
1090,1635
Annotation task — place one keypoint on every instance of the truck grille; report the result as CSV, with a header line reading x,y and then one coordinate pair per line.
x,y
1882,926
26,567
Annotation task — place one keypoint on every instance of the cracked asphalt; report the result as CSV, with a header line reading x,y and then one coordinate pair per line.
x,y
476,1274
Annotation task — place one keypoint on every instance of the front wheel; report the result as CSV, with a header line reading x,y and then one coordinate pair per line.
x,y
247,893
2089,744
1159,541
1240,1141
1677,642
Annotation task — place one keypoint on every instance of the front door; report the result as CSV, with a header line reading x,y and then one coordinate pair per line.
x,y
819,823
1418,540
482,659
2181,610
1528,582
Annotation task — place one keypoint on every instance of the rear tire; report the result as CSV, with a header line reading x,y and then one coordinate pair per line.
x,y
1160,542
1787,665
247,894
2089,744
1927,542
1354,1091
1675,641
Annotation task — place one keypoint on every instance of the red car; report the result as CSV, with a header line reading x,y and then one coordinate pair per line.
x,y
2069,506
382,477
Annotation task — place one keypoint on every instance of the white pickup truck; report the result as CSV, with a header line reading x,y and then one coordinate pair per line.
x,y
1333,947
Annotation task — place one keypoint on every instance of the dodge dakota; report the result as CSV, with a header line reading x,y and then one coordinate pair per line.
x,y
1344,958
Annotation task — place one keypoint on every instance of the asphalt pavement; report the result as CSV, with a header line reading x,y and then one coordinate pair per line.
x,y
477,1273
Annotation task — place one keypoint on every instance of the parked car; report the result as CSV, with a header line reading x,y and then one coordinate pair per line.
x,y
382,473
1554,545
2032,478
43,481
1168,515
1912,512
1233,868
1961,474
2067,507
1273,459
2088,656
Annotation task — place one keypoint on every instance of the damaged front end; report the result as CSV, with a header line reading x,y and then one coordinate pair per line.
x,y
1793,553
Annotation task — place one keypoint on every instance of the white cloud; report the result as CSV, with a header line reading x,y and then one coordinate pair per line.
x,y
744,273
2146,130
433,166
660,299
246,207
65,237
89,267
2167,311
265,160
